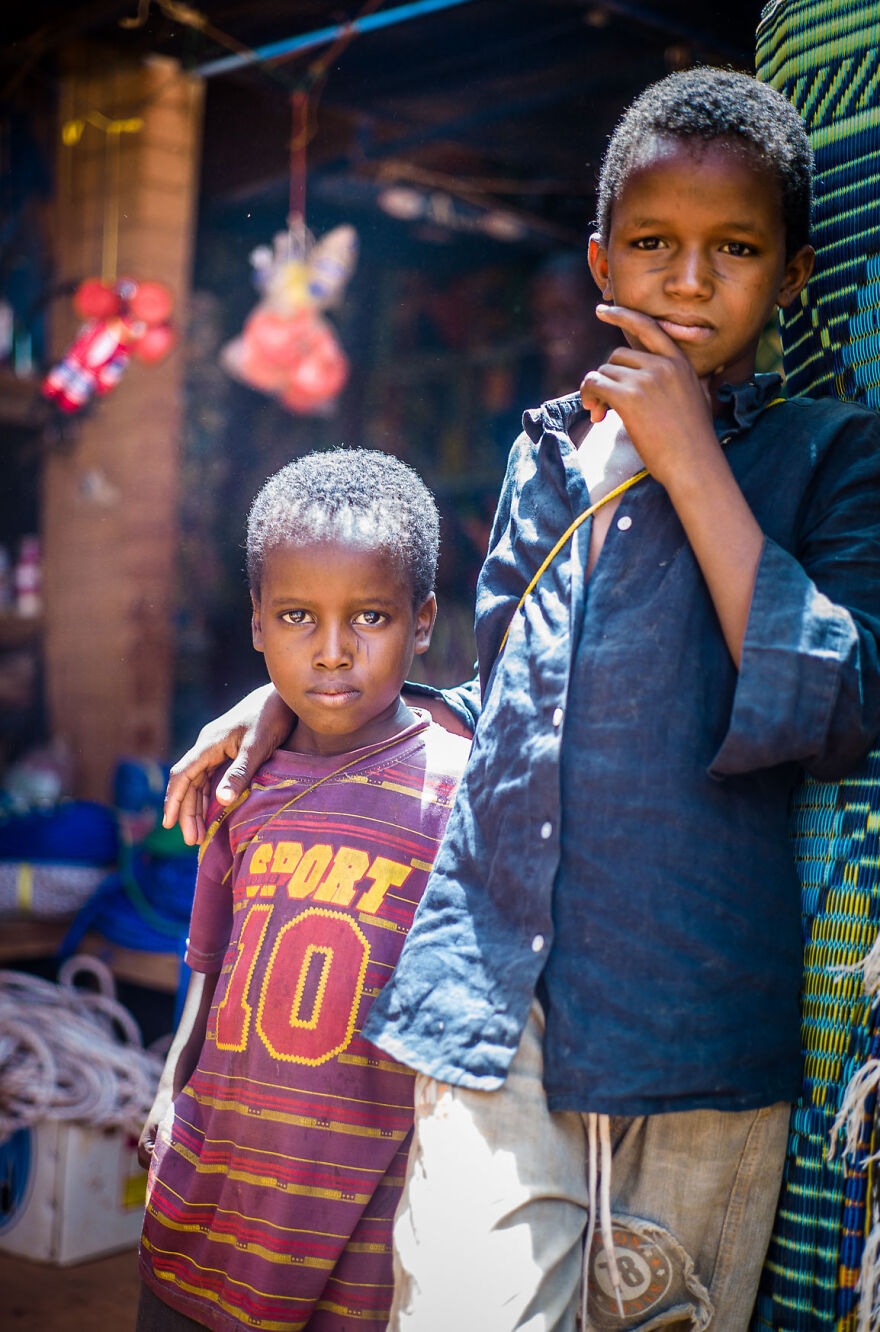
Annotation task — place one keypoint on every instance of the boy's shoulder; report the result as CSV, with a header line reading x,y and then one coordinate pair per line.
x,y
816,430
434,758
831,409
445,753
553,415
442,754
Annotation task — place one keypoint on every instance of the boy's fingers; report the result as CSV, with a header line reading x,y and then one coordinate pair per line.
x,y
632,358
190,816
146,1145
602,385
258,743
591,403
179,794
642,327
236,778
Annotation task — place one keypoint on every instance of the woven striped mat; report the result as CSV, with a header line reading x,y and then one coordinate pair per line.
x,y
824,56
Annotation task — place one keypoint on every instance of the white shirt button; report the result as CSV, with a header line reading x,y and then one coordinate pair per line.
x,y
537,943
557,716
546,830
624,522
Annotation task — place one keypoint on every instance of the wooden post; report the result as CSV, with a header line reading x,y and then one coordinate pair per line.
x,y
109,513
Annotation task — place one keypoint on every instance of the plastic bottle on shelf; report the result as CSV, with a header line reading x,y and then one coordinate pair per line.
x,y
27,578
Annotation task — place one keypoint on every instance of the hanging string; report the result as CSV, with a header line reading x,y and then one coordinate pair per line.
x,y
304,103
191,18
110,238
71,133
299,136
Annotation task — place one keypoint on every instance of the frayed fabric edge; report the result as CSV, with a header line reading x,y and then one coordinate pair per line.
x,y
848,1122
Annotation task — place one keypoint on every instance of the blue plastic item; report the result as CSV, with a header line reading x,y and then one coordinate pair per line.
x,y
80,832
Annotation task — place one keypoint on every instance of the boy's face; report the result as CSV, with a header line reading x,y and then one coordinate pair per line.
x,y
336,624
697,241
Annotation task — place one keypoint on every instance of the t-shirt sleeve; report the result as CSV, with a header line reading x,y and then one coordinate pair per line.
x,y
808,689
210,927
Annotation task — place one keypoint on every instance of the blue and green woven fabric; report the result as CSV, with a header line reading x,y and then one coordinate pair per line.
x,y
824,56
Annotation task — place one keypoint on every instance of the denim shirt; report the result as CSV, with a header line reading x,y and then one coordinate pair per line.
x,y
619,841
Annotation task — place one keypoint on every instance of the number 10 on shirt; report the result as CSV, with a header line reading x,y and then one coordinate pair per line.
x,y
308,1001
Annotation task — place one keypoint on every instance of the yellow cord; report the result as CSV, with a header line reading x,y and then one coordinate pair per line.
x,y
566,536
570,531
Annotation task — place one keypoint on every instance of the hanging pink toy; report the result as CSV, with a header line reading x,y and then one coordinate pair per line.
x,y
287,347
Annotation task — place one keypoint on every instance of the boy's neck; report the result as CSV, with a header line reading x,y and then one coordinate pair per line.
x,y
712,383
396,720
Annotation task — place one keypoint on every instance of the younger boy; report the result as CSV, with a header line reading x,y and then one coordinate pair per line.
x,y
277,1143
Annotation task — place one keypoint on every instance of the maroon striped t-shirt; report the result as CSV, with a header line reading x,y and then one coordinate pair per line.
x,y
273,1189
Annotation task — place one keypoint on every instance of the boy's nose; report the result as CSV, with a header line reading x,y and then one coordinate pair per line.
x,y
690,274
335,650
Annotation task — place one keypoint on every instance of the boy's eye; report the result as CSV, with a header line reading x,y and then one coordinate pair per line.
x,y
647,243
369,617
295,617
739,249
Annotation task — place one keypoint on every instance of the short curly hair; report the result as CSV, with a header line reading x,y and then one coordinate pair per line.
x,y
706,104
348,493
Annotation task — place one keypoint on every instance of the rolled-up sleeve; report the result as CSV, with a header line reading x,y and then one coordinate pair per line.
x,y
808,689
463,699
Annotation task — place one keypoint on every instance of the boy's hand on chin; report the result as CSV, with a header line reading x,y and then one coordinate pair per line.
x,y
655,392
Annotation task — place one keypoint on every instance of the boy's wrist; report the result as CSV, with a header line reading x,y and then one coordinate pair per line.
x,y
692,471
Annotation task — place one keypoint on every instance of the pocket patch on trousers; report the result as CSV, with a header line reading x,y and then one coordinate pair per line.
x,y
657,1279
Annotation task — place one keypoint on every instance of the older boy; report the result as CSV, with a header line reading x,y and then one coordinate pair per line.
x,y
601,984
277,1143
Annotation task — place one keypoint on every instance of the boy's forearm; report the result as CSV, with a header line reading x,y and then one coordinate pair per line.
x,y
725,538
182,1059
189,1038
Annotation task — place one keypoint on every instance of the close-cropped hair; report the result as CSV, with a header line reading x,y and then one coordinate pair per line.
x,y
361,495
704,105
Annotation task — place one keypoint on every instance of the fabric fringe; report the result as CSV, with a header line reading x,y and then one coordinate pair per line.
x,y
853,1109
871,969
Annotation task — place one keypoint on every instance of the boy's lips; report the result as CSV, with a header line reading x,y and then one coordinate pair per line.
x,y
334,696
686,330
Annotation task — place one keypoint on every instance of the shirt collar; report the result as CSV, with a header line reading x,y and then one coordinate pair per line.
x,y
741,405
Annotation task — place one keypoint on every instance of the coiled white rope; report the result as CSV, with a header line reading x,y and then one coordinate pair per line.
x,y
69,1053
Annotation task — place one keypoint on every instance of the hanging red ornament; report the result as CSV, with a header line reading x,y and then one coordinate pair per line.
x,y
154,343
152,302
127,316
94,299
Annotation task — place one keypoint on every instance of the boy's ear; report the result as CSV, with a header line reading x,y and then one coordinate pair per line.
x,y
797,275
597,258
256,624
425,617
